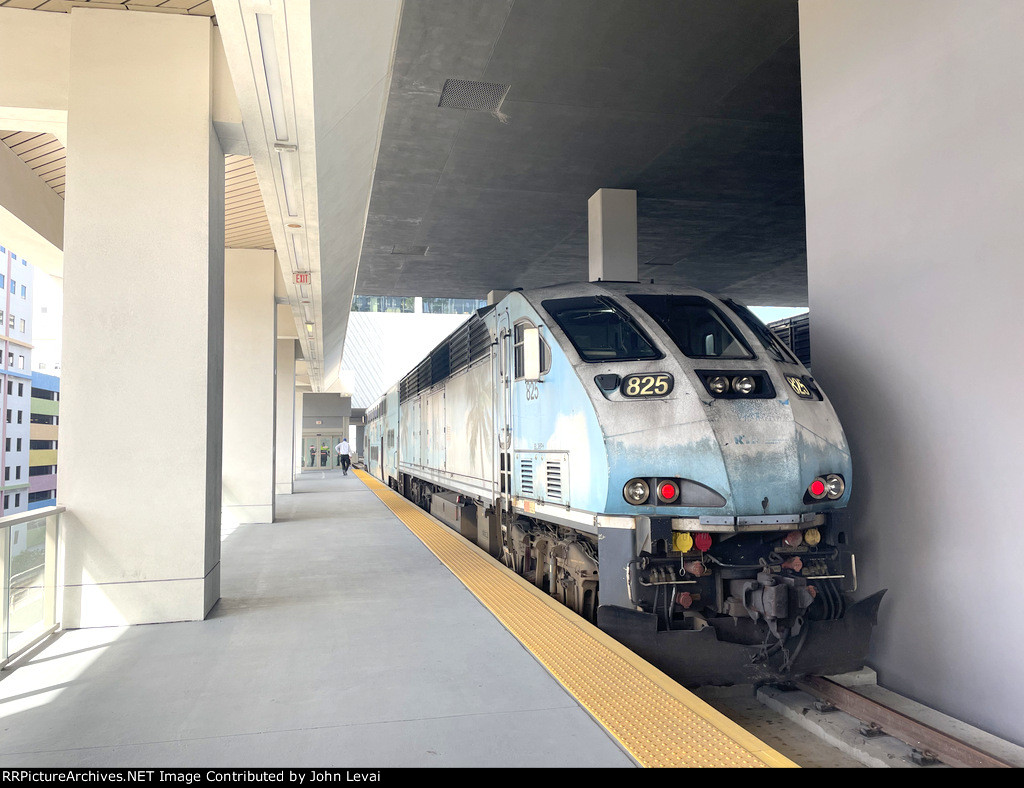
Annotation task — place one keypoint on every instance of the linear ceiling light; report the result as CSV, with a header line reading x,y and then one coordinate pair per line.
x,y
297,252
288,176
272,72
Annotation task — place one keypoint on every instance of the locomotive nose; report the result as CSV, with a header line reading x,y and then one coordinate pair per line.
x,y
770,456
758,446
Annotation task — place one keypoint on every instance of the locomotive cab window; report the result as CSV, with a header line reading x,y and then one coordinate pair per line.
x,y
697,327
600,329
520,350
772,344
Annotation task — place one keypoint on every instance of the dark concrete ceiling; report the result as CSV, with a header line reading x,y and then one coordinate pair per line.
x,y
695,104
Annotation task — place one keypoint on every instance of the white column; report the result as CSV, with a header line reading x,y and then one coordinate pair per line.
x,y
297,433
284,464
140,465
250,341
611,228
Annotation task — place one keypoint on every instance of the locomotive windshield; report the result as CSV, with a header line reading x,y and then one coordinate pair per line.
x,y
697,327
775,347
600,329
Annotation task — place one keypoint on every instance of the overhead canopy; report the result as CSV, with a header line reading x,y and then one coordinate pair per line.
x,y
449,147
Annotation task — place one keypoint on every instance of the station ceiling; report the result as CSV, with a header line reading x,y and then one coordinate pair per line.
x,y
694,104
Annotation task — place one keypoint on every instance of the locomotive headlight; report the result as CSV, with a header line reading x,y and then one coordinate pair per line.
x,y
817,489
636,491
834,486
744,385
718,384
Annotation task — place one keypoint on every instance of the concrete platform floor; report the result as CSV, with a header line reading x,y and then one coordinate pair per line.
x,y
339,641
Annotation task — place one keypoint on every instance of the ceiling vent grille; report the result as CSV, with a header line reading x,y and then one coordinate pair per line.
x,y
466,94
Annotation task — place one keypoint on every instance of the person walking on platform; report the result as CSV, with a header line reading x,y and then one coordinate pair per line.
x,y
343,455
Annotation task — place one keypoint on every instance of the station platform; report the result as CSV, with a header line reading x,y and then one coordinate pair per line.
x,y
358,632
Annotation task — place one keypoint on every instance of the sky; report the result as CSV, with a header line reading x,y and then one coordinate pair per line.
x,y
767,314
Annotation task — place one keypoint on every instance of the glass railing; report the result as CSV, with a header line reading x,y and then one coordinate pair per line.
x,y
29,579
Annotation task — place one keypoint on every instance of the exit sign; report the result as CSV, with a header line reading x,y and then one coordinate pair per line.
x,y
302,279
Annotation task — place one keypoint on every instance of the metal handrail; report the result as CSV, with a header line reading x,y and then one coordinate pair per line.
x,y
29,516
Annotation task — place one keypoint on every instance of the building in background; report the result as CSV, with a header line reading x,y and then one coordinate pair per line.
x,y
16,281
42,471
47,309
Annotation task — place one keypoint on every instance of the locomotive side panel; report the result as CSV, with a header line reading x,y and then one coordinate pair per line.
x,y
409,431
390,430
469,427
372,442
432,432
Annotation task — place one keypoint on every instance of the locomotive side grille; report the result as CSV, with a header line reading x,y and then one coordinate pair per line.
x,y
526,475
458,348
440,367
468,343
554,480
471,341
479,339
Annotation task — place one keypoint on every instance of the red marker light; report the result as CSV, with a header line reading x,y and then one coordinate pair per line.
x,y
817,488
702,542
667,491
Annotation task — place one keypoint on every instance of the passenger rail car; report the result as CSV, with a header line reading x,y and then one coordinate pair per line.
x,y
653,457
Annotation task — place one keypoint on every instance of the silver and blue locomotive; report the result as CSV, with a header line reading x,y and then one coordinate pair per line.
x,y
652,456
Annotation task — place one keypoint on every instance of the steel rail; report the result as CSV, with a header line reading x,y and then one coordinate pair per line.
x,y
944,747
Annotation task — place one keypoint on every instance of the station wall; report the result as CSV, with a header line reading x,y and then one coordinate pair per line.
x,y
915,179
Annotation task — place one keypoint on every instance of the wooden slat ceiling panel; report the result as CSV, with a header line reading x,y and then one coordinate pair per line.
x,y
245,218
194,7
42,152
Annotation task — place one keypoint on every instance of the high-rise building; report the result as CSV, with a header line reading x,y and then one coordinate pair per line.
x,y
42,470
16,379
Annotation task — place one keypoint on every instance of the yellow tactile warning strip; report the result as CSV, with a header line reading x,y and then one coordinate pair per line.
x,y
657,721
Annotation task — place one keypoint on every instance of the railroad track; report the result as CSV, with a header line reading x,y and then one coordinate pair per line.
x,y
929,745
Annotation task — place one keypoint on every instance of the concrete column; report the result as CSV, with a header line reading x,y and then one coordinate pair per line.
x,y
140,465
912,159
297,449
250,341
284,443
612,234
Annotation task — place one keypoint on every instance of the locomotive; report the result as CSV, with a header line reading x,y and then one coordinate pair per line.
x,y
654,458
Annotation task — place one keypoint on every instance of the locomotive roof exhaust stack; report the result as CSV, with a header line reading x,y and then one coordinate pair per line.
x,y
612,231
